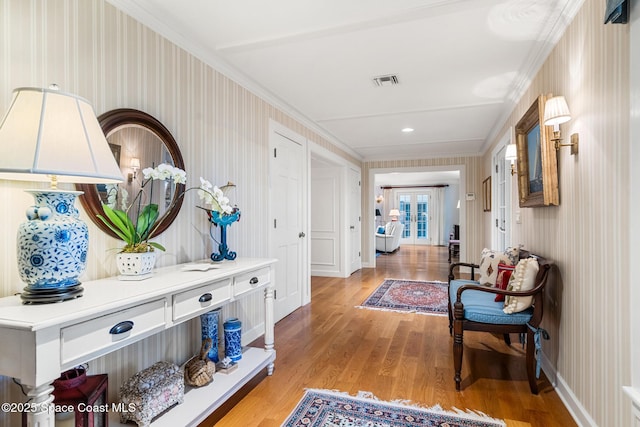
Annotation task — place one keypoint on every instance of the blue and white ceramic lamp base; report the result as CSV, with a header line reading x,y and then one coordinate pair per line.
x,y
52,248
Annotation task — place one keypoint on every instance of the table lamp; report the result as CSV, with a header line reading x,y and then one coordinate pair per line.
x,y
52,136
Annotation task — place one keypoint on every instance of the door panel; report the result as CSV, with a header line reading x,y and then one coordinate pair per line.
x,y
287,222
501,192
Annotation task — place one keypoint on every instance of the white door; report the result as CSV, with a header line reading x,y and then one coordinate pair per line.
x,y
501,191
355,230
287,223
415,207
327,224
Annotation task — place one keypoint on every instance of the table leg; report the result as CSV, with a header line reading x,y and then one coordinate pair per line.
x,y
41,414
269,324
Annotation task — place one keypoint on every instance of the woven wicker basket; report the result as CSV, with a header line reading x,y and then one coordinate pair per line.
x,y
199,370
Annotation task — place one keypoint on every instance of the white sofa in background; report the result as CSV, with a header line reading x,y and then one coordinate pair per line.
x,y
389,241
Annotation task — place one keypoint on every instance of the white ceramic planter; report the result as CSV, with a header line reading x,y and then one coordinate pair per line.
x,y
135,264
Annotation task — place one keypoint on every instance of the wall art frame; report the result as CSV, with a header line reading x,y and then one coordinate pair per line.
x,y
486,194
537,160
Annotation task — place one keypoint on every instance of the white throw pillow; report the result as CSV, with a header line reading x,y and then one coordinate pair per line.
x,y
522,279
489,264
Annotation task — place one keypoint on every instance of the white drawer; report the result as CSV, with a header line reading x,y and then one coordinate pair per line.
x,y
188,304
249,281
98,336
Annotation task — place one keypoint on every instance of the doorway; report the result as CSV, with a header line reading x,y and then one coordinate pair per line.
x,y
501,191
335,214
383,200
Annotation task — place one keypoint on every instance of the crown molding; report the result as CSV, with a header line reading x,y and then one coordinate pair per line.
x,y
141,11
535,62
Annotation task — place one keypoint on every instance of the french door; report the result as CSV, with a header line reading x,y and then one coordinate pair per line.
x,y
415,214
501,191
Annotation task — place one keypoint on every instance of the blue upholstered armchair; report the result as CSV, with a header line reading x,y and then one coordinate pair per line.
x,y
473,307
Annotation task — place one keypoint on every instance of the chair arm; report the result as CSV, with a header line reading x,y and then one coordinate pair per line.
x,y
536,292
462,264
384,236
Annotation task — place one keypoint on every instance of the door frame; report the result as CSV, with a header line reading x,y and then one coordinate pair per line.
x,y
276,127
506,139
462,190
321,153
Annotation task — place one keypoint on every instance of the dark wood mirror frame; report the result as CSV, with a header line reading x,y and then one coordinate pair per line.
x,y
115,119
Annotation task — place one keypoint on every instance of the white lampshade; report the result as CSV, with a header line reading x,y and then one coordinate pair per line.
x,y
511,152
394,212
556,111
135,163
47,133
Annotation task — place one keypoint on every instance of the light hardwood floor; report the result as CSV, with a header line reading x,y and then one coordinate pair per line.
x,y
329,344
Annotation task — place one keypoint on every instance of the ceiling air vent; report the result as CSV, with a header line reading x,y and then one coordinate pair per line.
x,y
388,80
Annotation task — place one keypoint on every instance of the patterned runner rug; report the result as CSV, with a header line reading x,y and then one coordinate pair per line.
x,y
409,296
323,408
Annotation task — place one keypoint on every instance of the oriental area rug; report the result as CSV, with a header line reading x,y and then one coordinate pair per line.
x,y
324,408
411,296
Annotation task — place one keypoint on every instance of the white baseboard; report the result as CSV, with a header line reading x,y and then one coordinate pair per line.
x,y
326,273
571,402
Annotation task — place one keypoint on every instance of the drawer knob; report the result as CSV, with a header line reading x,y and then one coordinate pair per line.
x,y
121,327
206,297
253,280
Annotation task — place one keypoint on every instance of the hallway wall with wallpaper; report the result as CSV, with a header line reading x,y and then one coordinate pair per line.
x,y
587,305
91,49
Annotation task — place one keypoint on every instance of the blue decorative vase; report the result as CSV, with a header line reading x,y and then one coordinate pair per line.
x,y
233,339
52,248
223,221
209,326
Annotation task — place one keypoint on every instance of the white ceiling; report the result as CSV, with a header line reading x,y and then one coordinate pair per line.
x,y
460,63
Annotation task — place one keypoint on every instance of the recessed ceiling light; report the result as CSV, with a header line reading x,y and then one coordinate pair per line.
x,y
407,130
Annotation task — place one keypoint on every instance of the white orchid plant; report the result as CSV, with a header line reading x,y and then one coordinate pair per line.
x,y
215,197
136,235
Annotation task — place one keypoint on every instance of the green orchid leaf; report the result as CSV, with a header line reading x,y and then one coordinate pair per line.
x,y
112,228
157,246
119,223
145,222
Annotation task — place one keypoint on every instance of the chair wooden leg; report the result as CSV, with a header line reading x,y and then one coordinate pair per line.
x,y
507,339
457,352
531,362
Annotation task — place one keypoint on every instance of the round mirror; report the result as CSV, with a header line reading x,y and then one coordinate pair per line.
x,y
137,141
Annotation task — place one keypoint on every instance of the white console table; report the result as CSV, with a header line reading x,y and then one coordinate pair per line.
x,y
41,341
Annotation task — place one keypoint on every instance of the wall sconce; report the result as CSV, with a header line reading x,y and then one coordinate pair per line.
x,y
135,165
379,198
511,154
556,111
394,214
